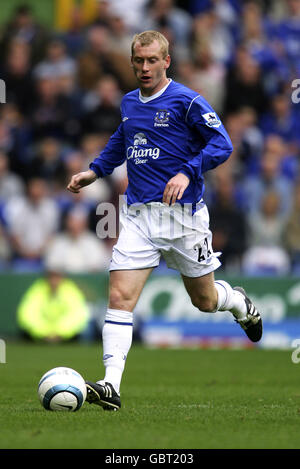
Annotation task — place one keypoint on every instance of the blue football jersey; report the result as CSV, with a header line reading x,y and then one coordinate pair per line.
x,y
175,132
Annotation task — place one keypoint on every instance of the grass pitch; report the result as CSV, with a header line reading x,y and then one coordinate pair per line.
x,y
171,399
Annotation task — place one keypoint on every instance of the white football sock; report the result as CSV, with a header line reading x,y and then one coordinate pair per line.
x,y
230,300
117,339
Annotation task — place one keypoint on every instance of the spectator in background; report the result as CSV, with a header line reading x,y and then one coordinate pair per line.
x,y
32,220
236,126
244,85
104,114
227,12
17,73
228,223
6,138
91,144
267,225
47,116
16,138
185,71
269,177
60,69
103,13
165,16
288,31
11,185
275,145
77,249
57,62
24,26
100,59
266,254
56,109
252,142
70,100
121,36
281,119
53,309
74,36
132,16
47,163
208,27
253,34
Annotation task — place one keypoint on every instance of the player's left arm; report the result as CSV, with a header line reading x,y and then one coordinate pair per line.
x,y
218,147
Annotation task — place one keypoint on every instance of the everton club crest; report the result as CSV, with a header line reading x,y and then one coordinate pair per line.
x,y
161,118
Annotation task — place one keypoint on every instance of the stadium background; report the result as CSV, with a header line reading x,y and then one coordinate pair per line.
x,y
65,65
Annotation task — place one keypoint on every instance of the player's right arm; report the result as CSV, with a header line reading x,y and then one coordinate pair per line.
x,y
111,156
81,180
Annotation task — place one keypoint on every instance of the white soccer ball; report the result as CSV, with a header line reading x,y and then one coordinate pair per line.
x,y
62,389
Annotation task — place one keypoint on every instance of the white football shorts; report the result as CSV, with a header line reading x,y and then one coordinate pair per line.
x,y
152,230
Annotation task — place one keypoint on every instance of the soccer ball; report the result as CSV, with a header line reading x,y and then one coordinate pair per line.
x,y
62,389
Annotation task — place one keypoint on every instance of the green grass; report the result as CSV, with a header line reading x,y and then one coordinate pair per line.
x,y
171,399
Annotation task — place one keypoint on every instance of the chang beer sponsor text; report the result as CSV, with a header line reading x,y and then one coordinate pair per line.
x,y
140,151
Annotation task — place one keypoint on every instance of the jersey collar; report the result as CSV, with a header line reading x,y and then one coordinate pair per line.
x,y
146,99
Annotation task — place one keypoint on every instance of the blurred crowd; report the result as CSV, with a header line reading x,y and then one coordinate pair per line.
x,y
63,91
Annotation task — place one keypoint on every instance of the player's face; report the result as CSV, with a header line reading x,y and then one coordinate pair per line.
x,y
150,67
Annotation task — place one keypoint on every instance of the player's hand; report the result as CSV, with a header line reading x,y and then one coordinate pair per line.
x,y
175,188
81,180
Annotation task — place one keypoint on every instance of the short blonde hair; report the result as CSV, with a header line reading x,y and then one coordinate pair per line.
x,y
147,37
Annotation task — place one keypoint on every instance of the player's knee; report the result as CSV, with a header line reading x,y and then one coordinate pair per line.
x,y
120,299
205,303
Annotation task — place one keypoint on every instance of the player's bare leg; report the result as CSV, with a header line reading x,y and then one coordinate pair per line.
x,y
125,288
202,291
210,296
